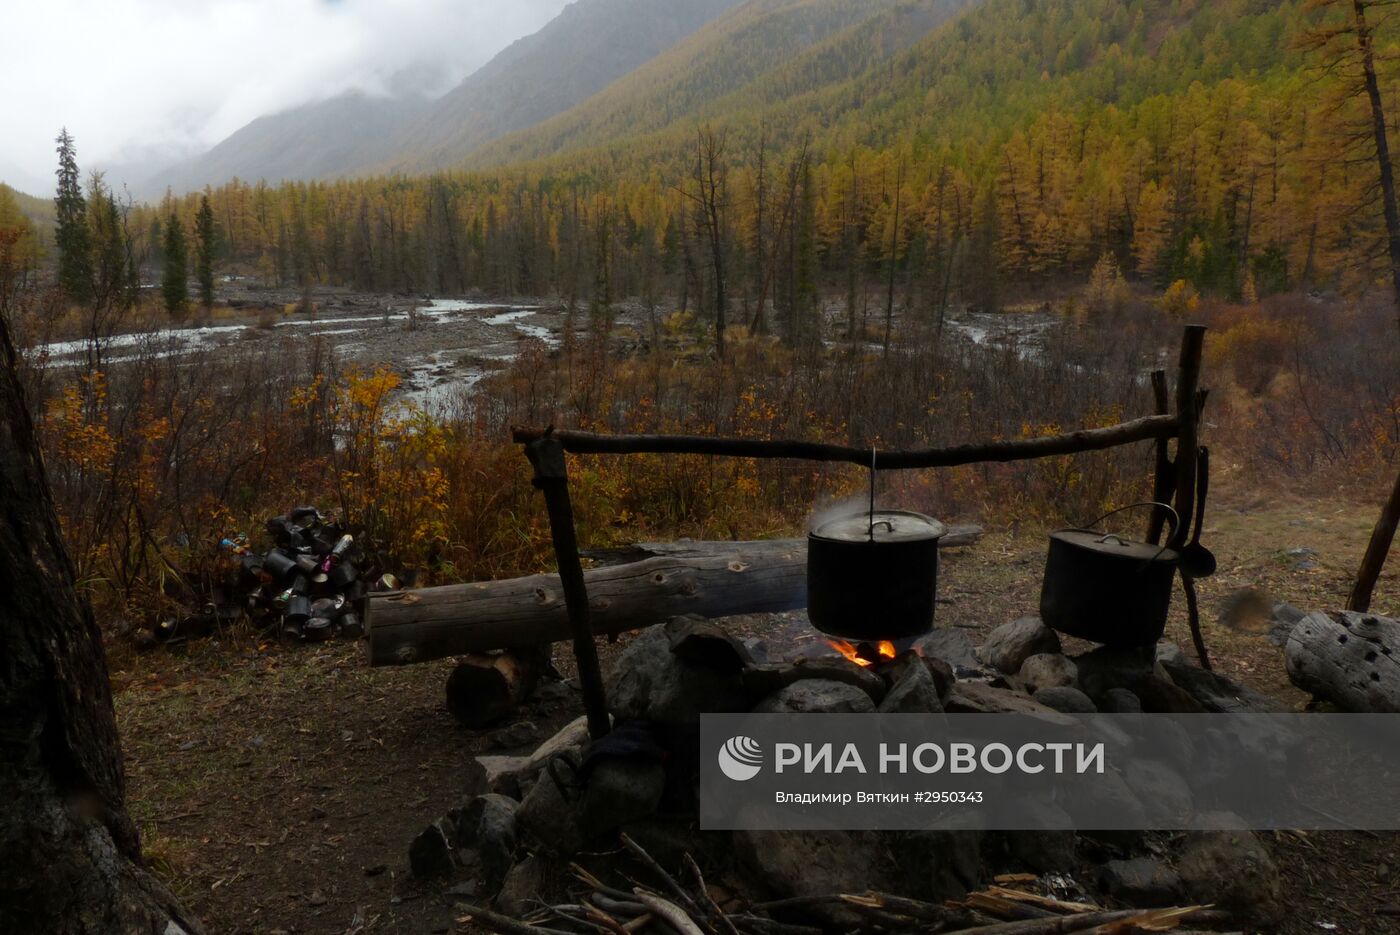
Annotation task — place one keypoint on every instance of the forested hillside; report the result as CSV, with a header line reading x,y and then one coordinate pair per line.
x,y
1019,142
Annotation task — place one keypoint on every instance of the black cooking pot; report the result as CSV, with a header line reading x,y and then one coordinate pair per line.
x,y
873,575
1108,589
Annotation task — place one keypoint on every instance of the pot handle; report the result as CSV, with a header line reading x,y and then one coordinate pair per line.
x,y
1172,515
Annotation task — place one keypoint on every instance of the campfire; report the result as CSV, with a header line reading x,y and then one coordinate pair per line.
x,y
865,654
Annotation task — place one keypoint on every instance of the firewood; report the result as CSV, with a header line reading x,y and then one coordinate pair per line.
x,y
483,690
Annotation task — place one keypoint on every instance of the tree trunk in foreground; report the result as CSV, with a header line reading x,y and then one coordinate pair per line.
x,y
71,855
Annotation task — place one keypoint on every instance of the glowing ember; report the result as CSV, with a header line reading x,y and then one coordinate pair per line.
x,y
884,648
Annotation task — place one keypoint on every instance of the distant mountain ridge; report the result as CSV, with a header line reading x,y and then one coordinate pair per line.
x,y
590,44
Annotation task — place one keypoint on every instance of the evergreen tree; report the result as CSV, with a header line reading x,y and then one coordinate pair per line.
x,y
174,286
71,234
204,252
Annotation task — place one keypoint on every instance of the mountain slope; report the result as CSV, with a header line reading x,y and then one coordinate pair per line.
x,y
768,50
325,139
39,211
967,71
588,46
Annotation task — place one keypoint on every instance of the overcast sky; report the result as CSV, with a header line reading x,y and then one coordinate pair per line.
x,y
134,79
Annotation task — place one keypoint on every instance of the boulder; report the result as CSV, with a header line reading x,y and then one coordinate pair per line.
x,y
816,696
1231,870
1218,694
951,645
651,683
1120,701
1011,644
523,887
485,837
914,693
938,865
430,853
979,698
1140,882
1065,699
1156,782
1047,670
815,863
547,821
619,790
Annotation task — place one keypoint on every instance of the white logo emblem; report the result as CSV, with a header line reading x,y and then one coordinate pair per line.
x,y
741,758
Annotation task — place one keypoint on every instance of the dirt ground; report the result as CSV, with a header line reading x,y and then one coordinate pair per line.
x,y
278,787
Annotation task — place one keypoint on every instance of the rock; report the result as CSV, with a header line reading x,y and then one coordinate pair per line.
x,y
430,853
813,863
547,821
943,676
757,649
523,887
914,693
1156,782
837,669
705,643
619,790
485,837
464,890
1011,644
1141,882
1120,701
1065,699
519,734
1162,696
1167,651
650,683
951,645
1232,870
1047,670
938,865
816,696
1109,667
977,698
1220,695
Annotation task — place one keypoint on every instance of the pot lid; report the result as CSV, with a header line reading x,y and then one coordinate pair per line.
x,y
890,526
1111,544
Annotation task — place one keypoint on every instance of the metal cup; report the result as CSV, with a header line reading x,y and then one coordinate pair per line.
x,y
298,610
279,564
351,626
344,575
317,630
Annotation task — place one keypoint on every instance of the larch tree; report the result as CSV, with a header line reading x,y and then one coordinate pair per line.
x,y
174,283
1345,43
71,853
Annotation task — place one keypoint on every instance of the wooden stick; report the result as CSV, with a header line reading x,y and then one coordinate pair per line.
x,y
552,478
505,924
1059,924
659,872
715,911
1145,429
670,913
1163,480
1188,419
1193,618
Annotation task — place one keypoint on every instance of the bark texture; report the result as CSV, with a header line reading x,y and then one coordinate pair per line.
x,y
71,854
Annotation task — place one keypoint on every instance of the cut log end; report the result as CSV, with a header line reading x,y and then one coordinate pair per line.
x,y
483,690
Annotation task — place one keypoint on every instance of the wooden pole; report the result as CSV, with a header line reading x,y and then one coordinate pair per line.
x,y
1188,418
1163,480
552,479
1376,552
1145,429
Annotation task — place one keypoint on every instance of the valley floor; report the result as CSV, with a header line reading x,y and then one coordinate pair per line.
x,y
278,788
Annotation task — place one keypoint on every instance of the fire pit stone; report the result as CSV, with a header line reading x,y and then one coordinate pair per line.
x,y
1047,670
1067,699
915,692
816,696
1011,644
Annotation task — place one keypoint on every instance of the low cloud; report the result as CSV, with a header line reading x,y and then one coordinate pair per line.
x,y
136,80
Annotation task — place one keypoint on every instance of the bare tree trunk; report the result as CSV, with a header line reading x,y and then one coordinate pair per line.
x,y
72,856
1384,534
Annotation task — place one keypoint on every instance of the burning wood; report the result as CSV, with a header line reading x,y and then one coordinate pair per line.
x,y
865,654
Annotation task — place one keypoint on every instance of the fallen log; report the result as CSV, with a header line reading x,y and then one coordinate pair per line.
x,y
956,537
1347,658
708,579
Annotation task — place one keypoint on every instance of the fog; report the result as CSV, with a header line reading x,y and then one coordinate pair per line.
x,y
141,82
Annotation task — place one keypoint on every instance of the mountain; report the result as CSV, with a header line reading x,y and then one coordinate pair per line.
x,y
21,181
591,44
762,54
321,140
39,211
586,47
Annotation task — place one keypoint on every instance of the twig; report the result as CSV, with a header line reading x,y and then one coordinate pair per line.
x,y
505,924
670,913
1074,923
676,889
704,891
770,927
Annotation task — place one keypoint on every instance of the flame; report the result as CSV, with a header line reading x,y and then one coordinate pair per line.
x,y
885,648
